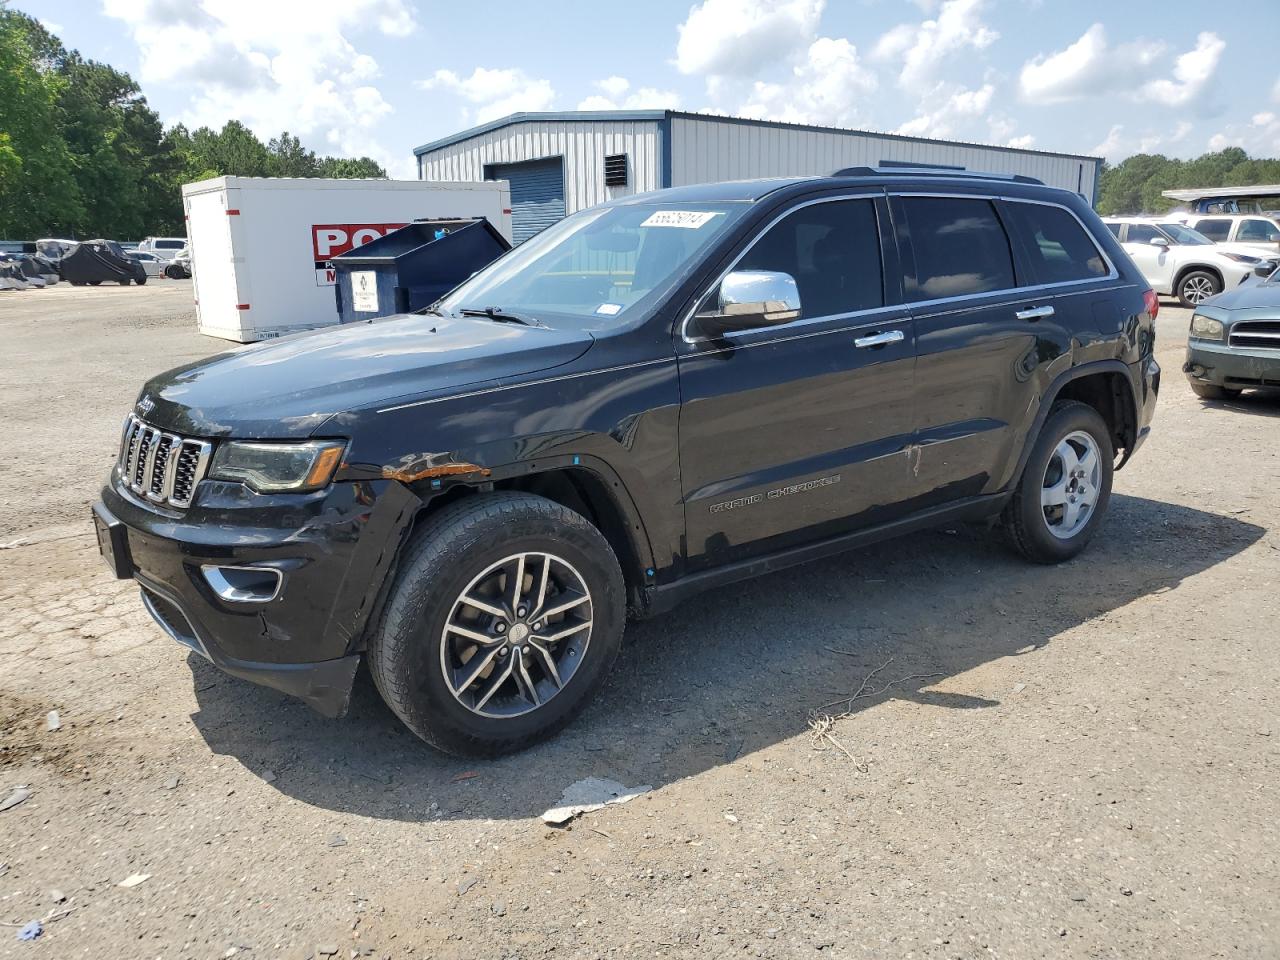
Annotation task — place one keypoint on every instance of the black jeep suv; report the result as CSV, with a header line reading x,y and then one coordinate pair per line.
x,y
661,394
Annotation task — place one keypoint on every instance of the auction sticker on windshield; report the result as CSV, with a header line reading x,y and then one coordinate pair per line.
x,y
687,219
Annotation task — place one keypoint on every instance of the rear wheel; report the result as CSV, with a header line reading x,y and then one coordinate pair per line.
x,y
1211,391
1065,486
1197,286
505,616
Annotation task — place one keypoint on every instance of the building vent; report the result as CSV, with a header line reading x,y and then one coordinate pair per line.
x,y
615,170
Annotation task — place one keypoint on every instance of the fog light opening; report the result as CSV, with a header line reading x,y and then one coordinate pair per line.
x,y
244,584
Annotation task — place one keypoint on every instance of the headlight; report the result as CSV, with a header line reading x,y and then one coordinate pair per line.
x,y
1241,258
1205,328
277,467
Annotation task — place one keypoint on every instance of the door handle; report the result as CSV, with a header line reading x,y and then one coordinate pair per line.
x,y
879,339
1034,313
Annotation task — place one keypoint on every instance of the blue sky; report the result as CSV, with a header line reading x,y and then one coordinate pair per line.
x,y
381,76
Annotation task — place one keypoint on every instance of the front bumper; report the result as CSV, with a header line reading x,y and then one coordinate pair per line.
x,y
1235,368
331,551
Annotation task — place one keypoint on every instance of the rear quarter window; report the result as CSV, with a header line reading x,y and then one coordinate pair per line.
x,y
1059,249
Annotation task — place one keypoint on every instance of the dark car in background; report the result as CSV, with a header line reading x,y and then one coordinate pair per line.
x,y
1234,341
662,394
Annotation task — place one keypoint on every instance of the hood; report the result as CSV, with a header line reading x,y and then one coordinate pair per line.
x,y
1249,301
288,388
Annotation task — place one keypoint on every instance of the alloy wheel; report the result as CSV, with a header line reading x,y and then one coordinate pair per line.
x,y
1198,289
516,635
1072,482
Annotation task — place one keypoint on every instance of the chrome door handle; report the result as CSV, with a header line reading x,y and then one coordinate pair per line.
x,y
1034,313
880,339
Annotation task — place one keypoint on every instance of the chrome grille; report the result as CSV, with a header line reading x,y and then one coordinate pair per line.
x,y
163,467
1255,333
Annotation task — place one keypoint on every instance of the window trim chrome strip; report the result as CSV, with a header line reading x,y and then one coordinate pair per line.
x,y
910,306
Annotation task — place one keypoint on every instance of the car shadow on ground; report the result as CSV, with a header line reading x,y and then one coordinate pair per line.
x,y
735,670
1255,403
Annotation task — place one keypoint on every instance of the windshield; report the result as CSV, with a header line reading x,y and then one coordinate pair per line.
x,y
598,265
1181,234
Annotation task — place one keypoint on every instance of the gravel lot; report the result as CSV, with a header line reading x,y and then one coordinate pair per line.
x,y
1073,761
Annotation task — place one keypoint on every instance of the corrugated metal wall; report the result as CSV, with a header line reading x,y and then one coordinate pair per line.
x,y
582,144
704,150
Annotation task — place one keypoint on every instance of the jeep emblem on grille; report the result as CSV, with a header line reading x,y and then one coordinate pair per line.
x,y
146,404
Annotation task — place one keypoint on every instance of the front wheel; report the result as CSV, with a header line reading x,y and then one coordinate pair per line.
x,y
141,281
503,620
1197,287
1065,486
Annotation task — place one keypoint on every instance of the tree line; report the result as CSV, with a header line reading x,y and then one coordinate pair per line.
x,y
1134,185
82,155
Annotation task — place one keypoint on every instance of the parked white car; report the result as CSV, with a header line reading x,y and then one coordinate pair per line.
x,y
167,247
1181,262
1260,233
151,264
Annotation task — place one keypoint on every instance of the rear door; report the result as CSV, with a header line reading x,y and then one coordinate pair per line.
x,y
798,431
978,336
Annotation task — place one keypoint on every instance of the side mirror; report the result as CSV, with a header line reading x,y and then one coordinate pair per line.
x,y
750,299
1158,242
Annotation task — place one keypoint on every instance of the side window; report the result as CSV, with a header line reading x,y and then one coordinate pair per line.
x,y
1142,233
1216,230
960,248
1258,230
1115,229
1059,249
833,252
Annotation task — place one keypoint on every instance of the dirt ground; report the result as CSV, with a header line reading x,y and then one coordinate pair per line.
x,y
1074,761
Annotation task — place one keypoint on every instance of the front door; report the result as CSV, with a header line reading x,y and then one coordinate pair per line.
x,y
1156,262
798,431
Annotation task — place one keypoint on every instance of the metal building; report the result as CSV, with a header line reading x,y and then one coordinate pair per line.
x,y
561,162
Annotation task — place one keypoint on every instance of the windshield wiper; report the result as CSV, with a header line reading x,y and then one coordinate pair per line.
x,y
498,314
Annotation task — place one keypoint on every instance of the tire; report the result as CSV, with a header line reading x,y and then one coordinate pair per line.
x,y
141,281
95,283
1197,286
1036,530
419,668
1211,391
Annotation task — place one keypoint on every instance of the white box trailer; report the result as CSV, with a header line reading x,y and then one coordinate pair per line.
x,y
260,247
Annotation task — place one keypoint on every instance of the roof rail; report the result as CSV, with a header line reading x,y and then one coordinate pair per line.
x,y
931,171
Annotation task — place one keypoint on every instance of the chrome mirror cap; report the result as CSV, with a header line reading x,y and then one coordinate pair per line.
x,y
750,299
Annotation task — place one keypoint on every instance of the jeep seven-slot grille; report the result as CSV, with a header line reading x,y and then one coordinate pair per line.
x,y
162,467
1255,333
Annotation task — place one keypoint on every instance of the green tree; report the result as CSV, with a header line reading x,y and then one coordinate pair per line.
x,y
289,158
1137,184
348,168
38,192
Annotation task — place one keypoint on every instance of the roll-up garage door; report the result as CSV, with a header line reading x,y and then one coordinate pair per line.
x,y
537,194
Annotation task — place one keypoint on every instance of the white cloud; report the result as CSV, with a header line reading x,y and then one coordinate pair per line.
x,y
1118,144
286,64
922,47
1092,67
1192,72
495,92
1260,136
1023,142
960,105
735,37
54,28
825,88
617,94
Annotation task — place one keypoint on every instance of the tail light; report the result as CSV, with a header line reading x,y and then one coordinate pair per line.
x,y
1152,303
